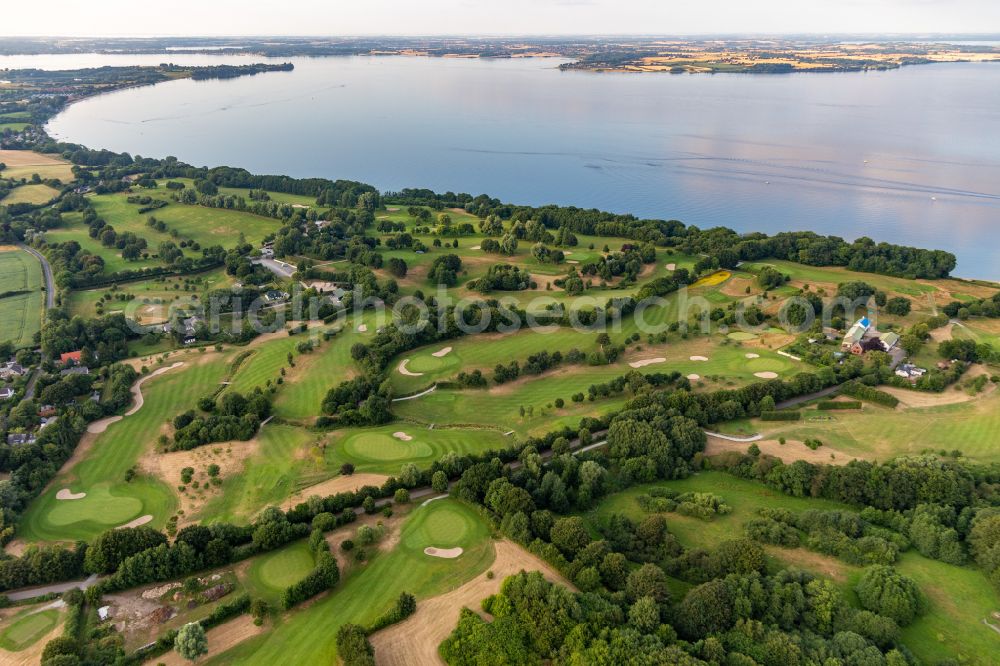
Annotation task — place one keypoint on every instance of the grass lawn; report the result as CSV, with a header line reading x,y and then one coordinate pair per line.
x,y
24,630
207,226
13,127
369,591
499,406
959,597
112,256
300,397
270,574
22,318
284,463
110,500
878,433
31,194
377,450
151,299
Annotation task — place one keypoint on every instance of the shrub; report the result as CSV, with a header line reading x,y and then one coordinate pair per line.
x,y
781,416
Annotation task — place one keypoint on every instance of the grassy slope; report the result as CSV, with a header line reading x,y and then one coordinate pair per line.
x,y
376,450
270,574
960,597
369,591
157,294
31,194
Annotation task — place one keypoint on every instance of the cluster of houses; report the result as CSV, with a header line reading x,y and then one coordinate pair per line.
x,y
8,372
864,337
73,364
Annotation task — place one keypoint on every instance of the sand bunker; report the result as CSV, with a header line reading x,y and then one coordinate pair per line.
x,y
362,328
67,494
671,267
766,375
694,377
572,261
699,358
446,553
752,355
137,387
647,361
97,427
402,436
403,371
442,352
141,520
475,247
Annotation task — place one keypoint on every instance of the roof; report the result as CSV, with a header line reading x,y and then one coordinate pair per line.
x,y
855,334
890,338
71,356
864,322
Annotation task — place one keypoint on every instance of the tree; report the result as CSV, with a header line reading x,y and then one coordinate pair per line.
x,y
191,641
648,581
439,482
644,615
885,591
570,535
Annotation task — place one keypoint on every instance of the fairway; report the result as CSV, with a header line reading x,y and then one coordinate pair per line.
x,y
367,592
22,312
105,458
270,574
22,632
378,450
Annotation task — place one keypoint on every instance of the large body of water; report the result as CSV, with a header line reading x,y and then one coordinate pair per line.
x,y
910,156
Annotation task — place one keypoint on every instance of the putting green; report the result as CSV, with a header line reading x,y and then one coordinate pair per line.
x,y
276,571
425,362
382,447
99,506
25,631
742,336
442,524
766,365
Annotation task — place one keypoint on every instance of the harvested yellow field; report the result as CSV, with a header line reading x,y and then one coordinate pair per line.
x,y
25,163
32,194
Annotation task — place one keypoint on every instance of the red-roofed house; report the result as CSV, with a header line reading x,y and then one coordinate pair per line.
x,y
70,358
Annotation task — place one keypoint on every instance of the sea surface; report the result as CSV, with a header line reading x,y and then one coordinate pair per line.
x,y
910,156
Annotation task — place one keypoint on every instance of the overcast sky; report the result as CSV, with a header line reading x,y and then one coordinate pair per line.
x,y
469,17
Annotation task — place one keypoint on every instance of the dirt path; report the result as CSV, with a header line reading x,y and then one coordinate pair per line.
x,y
910,399
415,641
791,451
338,484
220,639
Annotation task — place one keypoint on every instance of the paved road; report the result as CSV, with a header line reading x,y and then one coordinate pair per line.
x,y
732,438
791,402
57,588
50,303
279,268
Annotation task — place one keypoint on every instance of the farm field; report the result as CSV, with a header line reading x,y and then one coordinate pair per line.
x,y
99,465
31,194
948,628
25,163
206,226
368,591
19,271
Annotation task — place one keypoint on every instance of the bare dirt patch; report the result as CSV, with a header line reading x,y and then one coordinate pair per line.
x,y
942,334
67,494
808,560
415,640
229,456
647,361
913,399
444,553
791,451
338,484
220,639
